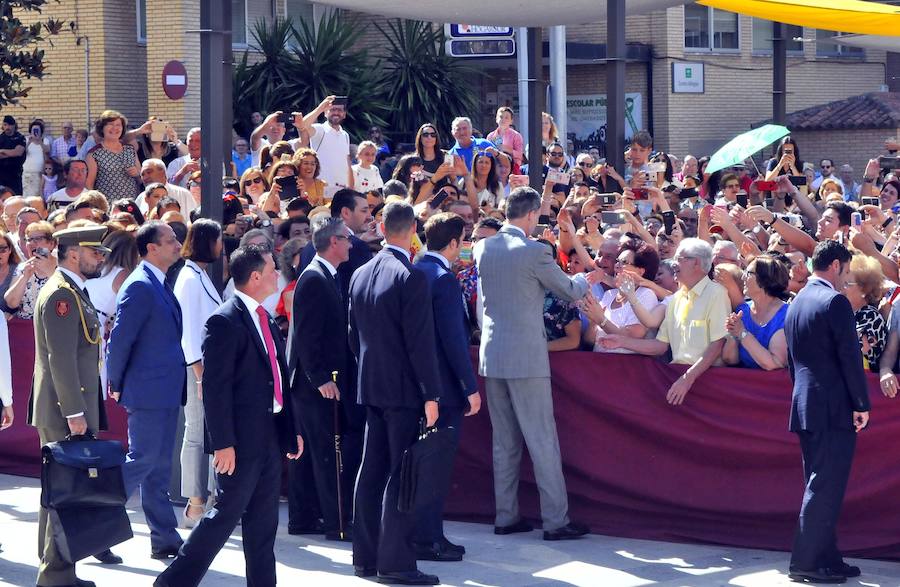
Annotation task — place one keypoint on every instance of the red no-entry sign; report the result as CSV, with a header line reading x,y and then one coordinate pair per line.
x,y
174,80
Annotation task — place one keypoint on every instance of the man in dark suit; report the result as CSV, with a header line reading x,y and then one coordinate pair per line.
x,y
392,334
319,349
444,234
353,209
830,405
146,372
250,423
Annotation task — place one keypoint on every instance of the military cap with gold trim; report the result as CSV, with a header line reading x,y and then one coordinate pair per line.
x,y
83,236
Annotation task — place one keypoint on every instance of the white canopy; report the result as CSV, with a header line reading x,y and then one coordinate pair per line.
x,y
877,42
514,13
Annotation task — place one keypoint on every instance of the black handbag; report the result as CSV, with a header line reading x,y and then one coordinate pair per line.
x,y
82,471
425,469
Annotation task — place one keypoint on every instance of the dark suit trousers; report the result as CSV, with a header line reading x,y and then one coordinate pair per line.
x,y
250,495
382,536
303,503
827,457
317,416
430,526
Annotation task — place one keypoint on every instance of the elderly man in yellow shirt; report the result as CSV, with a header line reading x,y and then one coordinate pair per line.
x,y
694,326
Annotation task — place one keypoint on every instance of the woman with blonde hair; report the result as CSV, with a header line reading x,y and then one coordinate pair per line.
x,y
254,185
864,290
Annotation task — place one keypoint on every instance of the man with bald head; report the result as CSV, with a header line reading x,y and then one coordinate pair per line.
x,y
154,171
11,207
180,169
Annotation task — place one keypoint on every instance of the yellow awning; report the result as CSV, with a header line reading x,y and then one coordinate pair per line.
x,y
846,16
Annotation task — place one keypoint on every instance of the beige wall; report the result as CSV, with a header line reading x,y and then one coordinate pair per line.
x,y
855,147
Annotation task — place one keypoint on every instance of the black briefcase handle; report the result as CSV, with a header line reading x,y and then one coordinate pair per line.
x,y
88,435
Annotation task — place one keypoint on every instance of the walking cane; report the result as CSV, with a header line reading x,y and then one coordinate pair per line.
x,y
338,459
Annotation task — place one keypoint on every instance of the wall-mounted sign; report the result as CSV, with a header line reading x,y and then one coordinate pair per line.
x,y
476,47
687,78
476,30
587,116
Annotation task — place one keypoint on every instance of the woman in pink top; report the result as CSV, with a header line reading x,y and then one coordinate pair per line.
x,y
508,139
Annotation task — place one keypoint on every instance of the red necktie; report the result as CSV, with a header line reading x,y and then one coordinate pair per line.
x,y
270,349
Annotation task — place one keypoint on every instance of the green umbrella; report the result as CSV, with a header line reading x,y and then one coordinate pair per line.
x,y
744,145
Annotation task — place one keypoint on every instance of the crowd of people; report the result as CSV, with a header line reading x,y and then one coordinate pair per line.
x,y
660,258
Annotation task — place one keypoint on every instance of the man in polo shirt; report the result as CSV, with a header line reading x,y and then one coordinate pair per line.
x,y
466,144
694,326
332,144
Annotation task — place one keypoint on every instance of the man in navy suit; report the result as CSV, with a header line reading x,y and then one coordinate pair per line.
x,y
392,334
250,423
830,405
319,349
444,235
352,208
146,371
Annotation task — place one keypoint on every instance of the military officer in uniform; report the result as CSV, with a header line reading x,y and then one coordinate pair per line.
x,y
66,397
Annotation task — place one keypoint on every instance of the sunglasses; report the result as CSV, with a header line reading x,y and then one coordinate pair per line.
x,y
733,186
429,134
826,167
583,164
249,182
34,239
556,154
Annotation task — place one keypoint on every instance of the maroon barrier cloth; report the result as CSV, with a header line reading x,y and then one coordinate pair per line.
x,y
722,468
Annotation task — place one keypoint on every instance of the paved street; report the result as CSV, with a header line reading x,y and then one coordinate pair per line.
x,y
520,560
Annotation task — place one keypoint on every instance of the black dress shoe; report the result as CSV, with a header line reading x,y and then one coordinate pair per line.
x,y
317,527
84,583
408,578
568,532
364,571
436,552
452,547
817,576
336,536
848,571
520,526
165,553
108,558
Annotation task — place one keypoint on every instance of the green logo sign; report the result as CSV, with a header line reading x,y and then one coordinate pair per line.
x,y
687,72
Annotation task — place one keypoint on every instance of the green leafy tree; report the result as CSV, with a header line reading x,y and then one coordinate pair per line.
x,y
421,81
21,59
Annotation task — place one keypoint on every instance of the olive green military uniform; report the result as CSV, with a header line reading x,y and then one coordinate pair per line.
x,y
66,383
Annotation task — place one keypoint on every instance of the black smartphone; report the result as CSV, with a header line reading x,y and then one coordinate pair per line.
x,y
869,201
438,199
686,193
889,162
288,188
608,199
668,221
339,101
538,231
741,200
612,218
797,180
770,203
285,117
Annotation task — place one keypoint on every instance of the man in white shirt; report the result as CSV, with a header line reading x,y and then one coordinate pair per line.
x,y
332,144
270,131
76,175
180,169
154,171
64,148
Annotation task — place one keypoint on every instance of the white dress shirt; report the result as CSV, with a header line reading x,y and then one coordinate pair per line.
x,y
198,298
156,271
331,268
251,307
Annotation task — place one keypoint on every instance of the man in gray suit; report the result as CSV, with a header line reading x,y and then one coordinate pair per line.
x,y
515,274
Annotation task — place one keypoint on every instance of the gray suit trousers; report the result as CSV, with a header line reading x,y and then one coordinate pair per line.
x,y
523,409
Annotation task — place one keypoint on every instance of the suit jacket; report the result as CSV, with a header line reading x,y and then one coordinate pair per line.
x,y
454,363
319,345
66,369
825,360
392,333
238,387
145,360
360,254
515,274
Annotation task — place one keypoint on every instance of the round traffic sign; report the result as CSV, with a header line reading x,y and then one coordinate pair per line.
x,y
174,80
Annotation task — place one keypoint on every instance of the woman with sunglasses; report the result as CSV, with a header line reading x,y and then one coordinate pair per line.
x,y
9,261
253,185
31,275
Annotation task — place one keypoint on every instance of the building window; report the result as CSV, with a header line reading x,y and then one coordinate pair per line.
x,y
298,11
710,29
141,6
762,36
826,48
239,22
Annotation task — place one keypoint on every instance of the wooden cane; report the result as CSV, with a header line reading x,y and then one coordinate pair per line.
x,y
338,459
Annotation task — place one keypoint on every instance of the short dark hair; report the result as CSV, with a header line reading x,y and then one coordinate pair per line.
x,y
824,159
443,228
645,257
642,138
489,222
70,162
200,243
164,203
244,261
345,198
827,252
772,275
844,212
398,217
146,234
284,229
521,201
180,229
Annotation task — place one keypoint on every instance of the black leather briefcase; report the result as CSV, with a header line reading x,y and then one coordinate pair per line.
x,y
425,469
82,471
